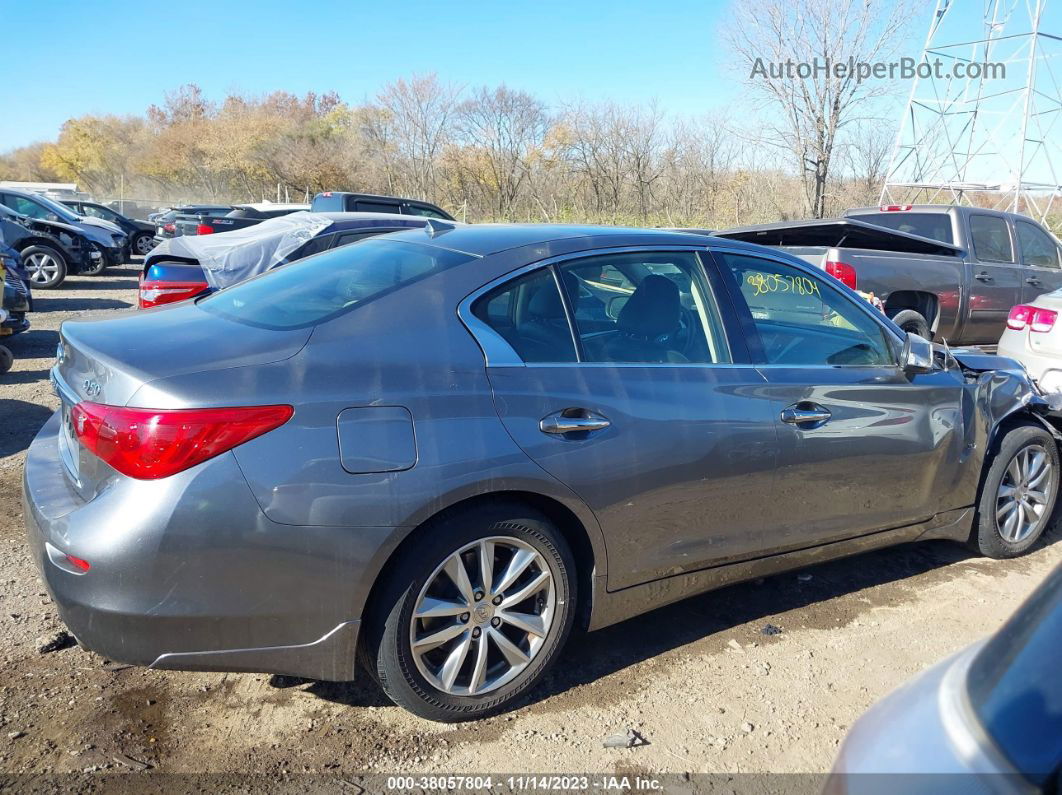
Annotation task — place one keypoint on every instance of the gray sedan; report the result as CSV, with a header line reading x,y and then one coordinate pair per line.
x,y
441,450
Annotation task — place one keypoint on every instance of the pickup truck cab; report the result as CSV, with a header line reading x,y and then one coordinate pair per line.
x,y
953,272
341,202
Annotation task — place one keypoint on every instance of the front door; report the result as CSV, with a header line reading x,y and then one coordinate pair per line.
x,y
862,447
1041,260
643,411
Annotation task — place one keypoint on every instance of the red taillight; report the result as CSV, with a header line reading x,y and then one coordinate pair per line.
x,y
204,229
1019,317
895,208
1033,317
154,293
78,563
156,443
170,227
1043,320
842,272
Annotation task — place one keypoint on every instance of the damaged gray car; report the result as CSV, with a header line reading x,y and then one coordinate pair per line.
x,y
439,451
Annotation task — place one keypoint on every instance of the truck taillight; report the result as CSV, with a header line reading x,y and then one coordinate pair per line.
x,y
155,443
895,208
842,272
1033,317
170,227
204,229
153,293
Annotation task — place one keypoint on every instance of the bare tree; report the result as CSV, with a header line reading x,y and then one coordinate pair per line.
x,y
799,57
501,131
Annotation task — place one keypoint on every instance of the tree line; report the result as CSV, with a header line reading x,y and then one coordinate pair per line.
x,y
485,153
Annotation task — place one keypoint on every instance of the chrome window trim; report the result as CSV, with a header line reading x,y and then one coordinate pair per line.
x,y
499,353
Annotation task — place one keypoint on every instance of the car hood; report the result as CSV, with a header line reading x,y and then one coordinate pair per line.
x,y
97,232
102,224
108,360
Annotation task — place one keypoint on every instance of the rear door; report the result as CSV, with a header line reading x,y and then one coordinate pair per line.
x,y
1041,259
649,411
996,277
862,446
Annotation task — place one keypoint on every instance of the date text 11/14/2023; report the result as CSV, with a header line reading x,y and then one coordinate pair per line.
x,y
525,783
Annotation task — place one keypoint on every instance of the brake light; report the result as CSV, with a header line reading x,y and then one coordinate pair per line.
x,y
155,443
1019,317
170,227
153,293
895,208
1043,320
842,272
204,229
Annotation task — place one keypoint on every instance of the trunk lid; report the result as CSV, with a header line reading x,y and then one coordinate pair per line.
x,y
107,361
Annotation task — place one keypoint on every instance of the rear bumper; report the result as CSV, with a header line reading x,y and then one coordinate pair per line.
x,y
187,573
1043,367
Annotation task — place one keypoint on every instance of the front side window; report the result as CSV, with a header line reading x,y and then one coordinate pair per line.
x,y
802,320
24,206
316,289
528,313
644,307
96,211
1037,249
991,239
426,212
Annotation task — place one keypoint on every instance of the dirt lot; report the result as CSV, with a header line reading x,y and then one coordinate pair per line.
x,y
701,681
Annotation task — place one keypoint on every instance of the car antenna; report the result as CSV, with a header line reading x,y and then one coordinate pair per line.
x,y
434,228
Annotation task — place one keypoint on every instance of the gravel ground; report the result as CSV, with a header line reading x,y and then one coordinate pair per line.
x,y
701,681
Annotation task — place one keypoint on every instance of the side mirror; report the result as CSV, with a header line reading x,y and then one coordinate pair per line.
x,y
917,356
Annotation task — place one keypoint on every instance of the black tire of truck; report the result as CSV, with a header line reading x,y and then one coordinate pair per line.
x,y
913,322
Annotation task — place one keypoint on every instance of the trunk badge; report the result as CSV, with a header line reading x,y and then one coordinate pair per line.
x,y
92,388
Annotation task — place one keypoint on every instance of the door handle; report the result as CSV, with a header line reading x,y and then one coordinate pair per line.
x,y
1033,281
573,421
983,276
805,413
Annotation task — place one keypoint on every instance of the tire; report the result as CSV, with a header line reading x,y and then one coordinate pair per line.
x,y
417,681
913,322
994,535
46,266
6,359
95,267
143,243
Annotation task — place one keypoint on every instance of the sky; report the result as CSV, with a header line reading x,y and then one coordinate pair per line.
x,y
116,57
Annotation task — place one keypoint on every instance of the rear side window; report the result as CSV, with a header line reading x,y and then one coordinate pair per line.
x,y
991,239
314,290
529,314
1015,687
935,226
1037,249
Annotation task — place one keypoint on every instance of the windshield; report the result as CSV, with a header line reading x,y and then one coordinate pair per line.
x,y
1015,688
316,289
61,210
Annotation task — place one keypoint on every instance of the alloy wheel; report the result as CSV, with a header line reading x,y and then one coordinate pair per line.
x,y
42,268
144,244
1024,493
482,616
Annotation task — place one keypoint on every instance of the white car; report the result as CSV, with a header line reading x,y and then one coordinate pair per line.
x,y
1033,336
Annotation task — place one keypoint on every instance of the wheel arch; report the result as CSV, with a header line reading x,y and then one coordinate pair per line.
x,y
584,542
924,303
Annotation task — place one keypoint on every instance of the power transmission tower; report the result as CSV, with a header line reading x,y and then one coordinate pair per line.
x,y
973,133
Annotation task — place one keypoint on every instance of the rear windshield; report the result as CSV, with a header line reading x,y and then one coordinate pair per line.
x,y
316,289
935,226
327,204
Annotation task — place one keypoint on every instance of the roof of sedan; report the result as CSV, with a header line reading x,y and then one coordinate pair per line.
x,y
485,239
